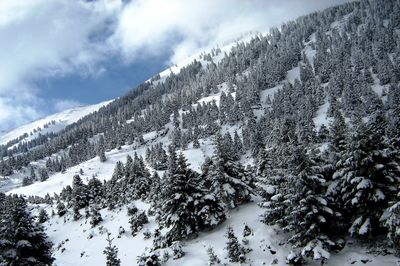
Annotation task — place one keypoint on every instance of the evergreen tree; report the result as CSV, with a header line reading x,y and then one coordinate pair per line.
x,y
43,174
95,191
32,174
229,182
61,209
196,143
23,241
177,250
236,252
26,181
367,177
338,133
179,199
95,216
111,252
101,149
42,217
76,215
79,192
137,220
212,257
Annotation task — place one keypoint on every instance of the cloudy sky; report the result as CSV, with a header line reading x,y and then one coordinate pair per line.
x,y
57,54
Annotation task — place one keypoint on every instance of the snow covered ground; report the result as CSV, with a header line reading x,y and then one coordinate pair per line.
x,y
73,247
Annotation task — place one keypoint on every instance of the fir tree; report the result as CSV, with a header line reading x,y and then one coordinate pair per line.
x,y
61,209
76,215
229,182
137,220
179,199
177,250
23,241
392,223
236,252
366,178
79,192
43,174
212,257
42,217
95,216
111,252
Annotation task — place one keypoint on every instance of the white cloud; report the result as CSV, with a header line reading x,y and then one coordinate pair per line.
x,y
152,26
64,104
42,39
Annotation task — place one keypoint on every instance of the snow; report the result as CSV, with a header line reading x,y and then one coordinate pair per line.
x,y
380,90
62,120
195,158
293,74
212,97
264,94
339,24
77,233
321,117
310,54
364,229
103,171
364,184
309,51
225,48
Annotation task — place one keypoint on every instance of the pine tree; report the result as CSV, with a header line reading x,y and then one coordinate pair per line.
x,y
149,260
61,209
155,190
309,217
236,252
392,223
95,216
179,199
137,220
212,257
43,174
79,192
23,241
95,191
229,182
140,182
177,250
247,231
101,149
26,181
76,215
196,143
42,217
111,252
338,132
366,178
32,173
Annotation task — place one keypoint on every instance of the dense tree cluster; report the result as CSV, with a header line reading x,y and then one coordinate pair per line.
x,y
320,182
22,240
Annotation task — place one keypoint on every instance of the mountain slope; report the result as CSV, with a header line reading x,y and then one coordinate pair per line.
x,y
295,133
52,123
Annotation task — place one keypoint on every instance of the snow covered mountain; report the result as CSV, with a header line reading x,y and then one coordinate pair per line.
x,y
50,124
280,149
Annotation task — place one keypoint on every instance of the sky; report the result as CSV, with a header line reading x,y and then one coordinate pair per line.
x,y
59,54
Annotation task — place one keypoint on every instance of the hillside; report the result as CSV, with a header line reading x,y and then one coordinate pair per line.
x,y
50,124
290,139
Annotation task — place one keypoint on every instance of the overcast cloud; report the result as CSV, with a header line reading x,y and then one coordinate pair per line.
x,y
44,39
